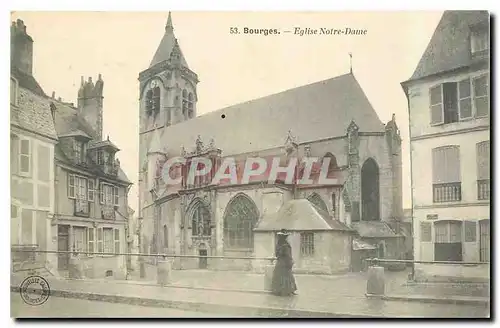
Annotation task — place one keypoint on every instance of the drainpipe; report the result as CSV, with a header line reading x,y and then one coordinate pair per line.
x,y
405,89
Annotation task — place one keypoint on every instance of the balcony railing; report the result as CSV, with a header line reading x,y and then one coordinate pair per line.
x,y
483,189
447,192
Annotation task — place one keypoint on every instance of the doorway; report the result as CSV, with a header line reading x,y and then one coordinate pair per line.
x,y
63,245
203,264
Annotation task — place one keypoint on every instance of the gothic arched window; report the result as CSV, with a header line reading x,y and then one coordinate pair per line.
x,y
370,191
184,103
190,105
200,221
240,218
153,100
317,201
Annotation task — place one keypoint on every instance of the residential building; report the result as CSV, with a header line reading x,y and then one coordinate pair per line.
x,y
69,191
331,118
32,141
91,211
449,110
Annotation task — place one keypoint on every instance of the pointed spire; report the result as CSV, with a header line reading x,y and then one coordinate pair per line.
x,y
167,45
169,26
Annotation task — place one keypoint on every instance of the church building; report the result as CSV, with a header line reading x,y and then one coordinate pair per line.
x,y
327,119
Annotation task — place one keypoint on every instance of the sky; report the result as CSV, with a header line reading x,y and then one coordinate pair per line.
x,y
231,68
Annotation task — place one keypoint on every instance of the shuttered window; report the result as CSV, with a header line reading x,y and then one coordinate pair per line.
x,y
484,241
483,170
446,174
436,102
481,95
464,99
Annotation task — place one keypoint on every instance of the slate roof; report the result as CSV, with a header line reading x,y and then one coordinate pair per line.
x,y
69,122
319,110
373,229
27,81
166,46
300,215
33,110
75,133
449,47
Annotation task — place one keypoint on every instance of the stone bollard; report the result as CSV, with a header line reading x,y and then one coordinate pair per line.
x,y
375,284
268,277
164,273
142,269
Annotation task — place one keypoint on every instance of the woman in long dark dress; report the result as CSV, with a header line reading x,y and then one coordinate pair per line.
x,y
283,283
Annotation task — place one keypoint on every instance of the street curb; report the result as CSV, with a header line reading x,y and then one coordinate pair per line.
x,y
200,307
453,301
131,282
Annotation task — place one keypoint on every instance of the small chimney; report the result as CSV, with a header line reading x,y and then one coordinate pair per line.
x,y
21,47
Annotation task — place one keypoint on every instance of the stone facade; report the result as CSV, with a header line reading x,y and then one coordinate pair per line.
x,y
168,211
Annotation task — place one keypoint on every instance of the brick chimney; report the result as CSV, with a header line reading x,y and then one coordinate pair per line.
x,y
21,47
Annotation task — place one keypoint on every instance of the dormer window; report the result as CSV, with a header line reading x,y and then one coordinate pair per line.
x,y
100,157
153,98
79,151
480,42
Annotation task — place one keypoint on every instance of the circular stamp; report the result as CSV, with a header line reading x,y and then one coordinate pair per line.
x,y
35,290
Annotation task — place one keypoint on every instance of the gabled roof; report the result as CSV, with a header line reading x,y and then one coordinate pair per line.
x,y
449,47
167,44
300,215
319,110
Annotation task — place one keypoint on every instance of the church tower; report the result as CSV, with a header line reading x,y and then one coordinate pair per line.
x,y
168,87
167,96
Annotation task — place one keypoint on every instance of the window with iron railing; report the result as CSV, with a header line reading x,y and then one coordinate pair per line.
x,y
446,186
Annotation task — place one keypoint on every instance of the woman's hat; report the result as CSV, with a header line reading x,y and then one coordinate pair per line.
x,y
283,232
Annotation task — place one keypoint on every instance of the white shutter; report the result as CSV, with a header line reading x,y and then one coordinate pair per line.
x,y
436,104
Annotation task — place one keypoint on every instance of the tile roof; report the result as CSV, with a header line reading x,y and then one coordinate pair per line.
x,y
299,215
319,110
449,47
32,113
373,229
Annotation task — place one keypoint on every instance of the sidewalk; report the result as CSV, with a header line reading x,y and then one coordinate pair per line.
x,y
320,296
